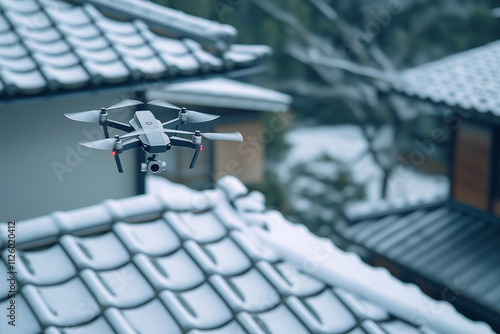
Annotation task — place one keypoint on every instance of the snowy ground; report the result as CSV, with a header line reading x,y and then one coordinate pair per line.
x,y
346,144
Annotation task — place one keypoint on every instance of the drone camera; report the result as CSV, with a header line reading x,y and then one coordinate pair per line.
x,y
153,166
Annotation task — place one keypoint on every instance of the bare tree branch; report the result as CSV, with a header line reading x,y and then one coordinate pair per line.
x,y
283,16
349,32
324,8
381,58
315,58
329,63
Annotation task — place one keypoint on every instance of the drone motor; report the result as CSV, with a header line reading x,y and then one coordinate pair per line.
x,y
103,116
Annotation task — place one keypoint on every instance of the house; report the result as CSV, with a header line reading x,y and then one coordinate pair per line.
x,y
60,57
450,249
212,261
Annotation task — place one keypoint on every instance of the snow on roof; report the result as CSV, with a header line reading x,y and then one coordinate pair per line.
x,y
56,45
177,260
223,92
343,143
444,243
214,34
468,79
348,148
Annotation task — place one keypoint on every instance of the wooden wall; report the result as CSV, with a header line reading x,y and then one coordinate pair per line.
x,y
471,169
245,160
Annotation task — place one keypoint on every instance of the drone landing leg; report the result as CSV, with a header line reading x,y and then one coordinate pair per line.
x,y
195,156
106,132
118,162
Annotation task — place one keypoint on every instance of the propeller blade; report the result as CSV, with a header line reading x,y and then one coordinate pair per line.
x,y
233,136
164,104
102,144
124,103
178,131
199,117
192,116
91,116
172,122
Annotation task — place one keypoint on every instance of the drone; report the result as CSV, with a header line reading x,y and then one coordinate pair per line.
x,y
145,131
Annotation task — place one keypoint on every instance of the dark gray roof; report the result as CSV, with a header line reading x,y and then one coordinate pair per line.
x,y
468,79
445,243
184,261
54,45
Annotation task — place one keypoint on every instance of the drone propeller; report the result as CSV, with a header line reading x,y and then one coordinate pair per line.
x,y
191,115
164,104
103,144
231,136
109,144
92,116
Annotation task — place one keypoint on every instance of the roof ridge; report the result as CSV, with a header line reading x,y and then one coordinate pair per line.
x,y
46,229
215,36
454,55
466,79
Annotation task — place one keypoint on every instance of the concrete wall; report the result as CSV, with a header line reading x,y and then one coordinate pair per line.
x,y
42,166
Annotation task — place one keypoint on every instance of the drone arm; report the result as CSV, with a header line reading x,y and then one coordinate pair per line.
x,y
175,121
119,125
177,141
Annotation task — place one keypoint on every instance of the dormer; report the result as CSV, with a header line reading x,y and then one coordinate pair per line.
x,y
466,87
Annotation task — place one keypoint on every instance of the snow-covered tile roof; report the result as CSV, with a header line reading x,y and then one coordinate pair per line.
x,y
54,45
468,79
445,243
223,92
177,260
